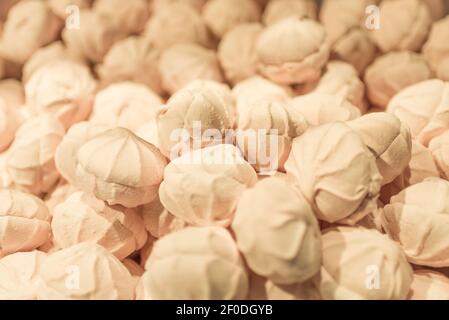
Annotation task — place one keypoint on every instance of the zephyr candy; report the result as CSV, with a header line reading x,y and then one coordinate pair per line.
x,y
146,250
298,291
439,147
58,195
125,104
195,264
24,222
186,62
266,130
407,33
279,9
132,59
130,16
277,232
30,159
443,70
64,89
174,23
286,61
194,118
418,218
362,264
203,187
66,152
133,267
64,8
13,93
19,275
392,72
82,217
222,15
9,122
437,8
340,78
94,38
422,164
30,25
157,5
78,273
429,285
336,173
119,168
423,107
345,22
436,48
389,139
321,108
237,52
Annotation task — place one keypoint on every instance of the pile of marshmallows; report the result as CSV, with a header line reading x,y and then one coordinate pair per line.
x,y
95,203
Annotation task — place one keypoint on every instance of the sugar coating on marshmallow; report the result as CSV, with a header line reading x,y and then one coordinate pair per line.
x,y
82,217
429,285
203,187
277,232
85,271
423,107
195,263
417,218
336,172
24,222
293,50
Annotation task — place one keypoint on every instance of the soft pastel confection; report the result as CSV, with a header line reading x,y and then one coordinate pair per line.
x,y
298,291
436,48
389,140
407,33
30,160
418,218
422,164
6,5
62,88
58,195
186,62
362,264
222,15
59,7
133,267
85,271
203,187
157,5
279,9
277,232
30,25
12,92
439,148
423,107
9,122
437,8
194,264
392,72
237,52
429,285
443,70
24,222
293,62
336,173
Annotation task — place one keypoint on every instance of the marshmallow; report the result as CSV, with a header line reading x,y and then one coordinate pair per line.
x,y
389,140
439,147
336,173
279,9
157,5
58,195
185,62
392,72
119,168
298,291
29,26
443,70
237,52
190,115
429,285
125,104
64,8
436,49
19,275
362,264
82,217
176,23
92,39
194,264
422,164
266,130
133,267
5,6
423,107
407,33
30,159
78,273
132,59
222,15
129,16
418,219
321,108
292,62
24,222
277,232
12,93
341,78
146,250
437,8
203,187
9,122
64,89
